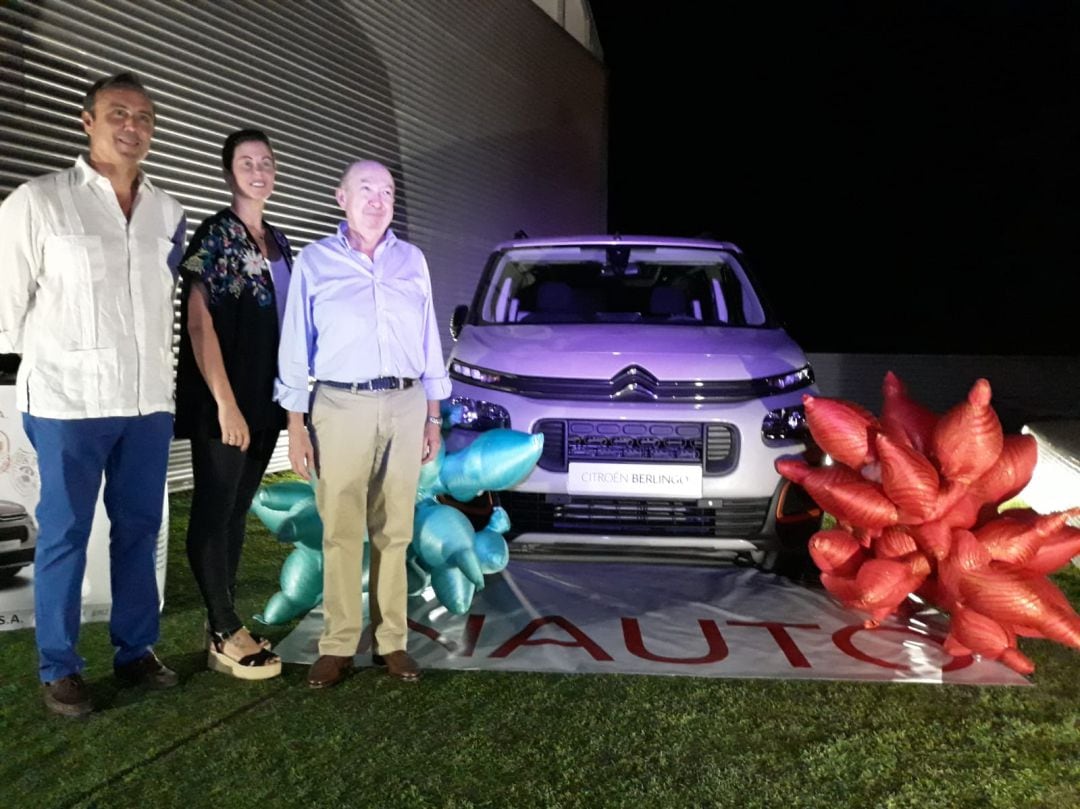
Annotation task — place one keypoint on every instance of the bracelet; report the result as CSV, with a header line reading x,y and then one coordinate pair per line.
x,y
437,420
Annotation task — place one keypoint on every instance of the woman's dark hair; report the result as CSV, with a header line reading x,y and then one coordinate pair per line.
x,y
238,137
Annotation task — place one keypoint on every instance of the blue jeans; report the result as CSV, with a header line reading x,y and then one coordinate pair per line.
x,y
133,454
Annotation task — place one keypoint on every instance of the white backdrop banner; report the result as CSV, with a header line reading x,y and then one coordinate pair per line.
x,y
606,617
19,483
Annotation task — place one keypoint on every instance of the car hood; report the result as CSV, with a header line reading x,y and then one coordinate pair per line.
x,y
601,351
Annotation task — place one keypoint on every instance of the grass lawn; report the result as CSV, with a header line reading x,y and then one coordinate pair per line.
x,y
470,739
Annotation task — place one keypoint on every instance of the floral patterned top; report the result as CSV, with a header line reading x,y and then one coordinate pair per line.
x,y
225,259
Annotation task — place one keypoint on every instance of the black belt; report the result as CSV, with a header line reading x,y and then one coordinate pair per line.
x,y
382,383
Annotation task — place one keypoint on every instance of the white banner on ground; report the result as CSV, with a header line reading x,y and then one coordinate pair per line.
x,y
608,617
20,484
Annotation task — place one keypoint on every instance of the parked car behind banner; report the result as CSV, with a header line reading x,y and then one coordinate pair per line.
x,y
19,492
18,538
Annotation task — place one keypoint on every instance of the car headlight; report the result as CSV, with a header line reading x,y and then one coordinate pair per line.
x,y
476,414
785,424
781,383
470,373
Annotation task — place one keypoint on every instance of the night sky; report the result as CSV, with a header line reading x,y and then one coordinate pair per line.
x,y
922,158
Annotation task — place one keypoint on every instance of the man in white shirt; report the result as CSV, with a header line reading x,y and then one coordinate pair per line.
x,y
360,319
88,258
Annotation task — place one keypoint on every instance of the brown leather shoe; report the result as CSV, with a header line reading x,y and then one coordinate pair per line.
x,y
398,664
329,670
68,696
148,671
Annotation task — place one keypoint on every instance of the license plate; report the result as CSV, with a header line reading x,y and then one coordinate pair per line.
x,y
10,545
647,480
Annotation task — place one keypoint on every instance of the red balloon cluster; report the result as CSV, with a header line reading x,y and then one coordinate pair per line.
x,y
916,498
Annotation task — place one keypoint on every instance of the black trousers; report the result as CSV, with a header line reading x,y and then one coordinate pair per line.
x,y
226,480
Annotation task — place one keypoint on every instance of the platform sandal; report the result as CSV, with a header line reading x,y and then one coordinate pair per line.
x,y
261,665
259,639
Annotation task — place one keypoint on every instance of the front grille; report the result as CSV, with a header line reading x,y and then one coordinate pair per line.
x,y
633,441
18,531
553,458
735,517
574,440
721,448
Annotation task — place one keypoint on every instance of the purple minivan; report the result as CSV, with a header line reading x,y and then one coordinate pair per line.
x,y
663,384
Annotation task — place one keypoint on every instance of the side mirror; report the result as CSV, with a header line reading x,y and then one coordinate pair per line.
x,y
457,320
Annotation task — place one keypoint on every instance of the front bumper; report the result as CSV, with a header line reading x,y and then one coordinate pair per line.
x,y
740,490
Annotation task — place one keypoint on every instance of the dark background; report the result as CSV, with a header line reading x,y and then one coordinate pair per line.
x,y
904,177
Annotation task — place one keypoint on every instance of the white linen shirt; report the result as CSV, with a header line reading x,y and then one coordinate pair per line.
x,y
86,296
349,318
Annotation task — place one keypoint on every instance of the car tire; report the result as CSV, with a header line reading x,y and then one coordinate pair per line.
x,y
798,518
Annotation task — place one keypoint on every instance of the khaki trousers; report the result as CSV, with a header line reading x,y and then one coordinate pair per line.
x,y
367,448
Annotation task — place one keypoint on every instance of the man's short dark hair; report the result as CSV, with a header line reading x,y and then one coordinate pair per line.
x,y
123,81
228,149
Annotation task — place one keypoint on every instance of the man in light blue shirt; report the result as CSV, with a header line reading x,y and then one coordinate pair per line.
x,y
361,321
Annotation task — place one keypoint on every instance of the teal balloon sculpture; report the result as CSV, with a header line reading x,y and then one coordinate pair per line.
x,y
446,552
287,509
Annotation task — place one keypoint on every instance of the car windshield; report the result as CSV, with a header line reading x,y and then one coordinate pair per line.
x,y
620,284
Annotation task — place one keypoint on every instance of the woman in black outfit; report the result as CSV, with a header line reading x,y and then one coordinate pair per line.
x,y
236,273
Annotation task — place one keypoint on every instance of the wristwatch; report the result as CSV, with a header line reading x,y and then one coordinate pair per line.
x,y
436,420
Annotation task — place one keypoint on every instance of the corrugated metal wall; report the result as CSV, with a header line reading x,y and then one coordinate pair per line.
x,y
491,117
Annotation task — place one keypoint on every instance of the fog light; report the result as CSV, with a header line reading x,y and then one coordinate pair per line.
x,y
476,414
785,424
